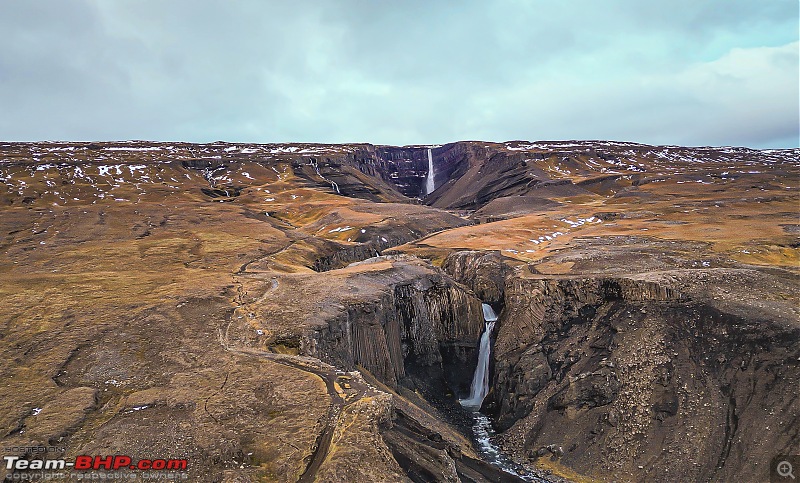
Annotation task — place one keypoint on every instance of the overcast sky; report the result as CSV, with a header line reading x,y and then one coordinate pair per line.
x,y
688,72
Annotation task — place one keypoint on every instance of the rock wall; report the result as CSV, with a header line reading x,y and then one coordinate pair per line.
x,y
542,311
407,167
405,327
346,255
483,272
629,379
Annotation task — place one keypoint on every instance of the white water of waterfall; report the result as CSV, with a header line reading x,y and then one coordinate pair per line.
x,y
482,427
430,185
480,380
334,185
488,313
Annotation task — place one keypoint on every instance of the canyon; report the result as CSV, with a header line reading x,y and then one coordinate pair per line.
x,y
288,312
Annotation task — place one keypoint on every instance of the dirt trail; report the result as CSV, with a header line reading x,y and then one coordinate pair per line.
x,y
330,376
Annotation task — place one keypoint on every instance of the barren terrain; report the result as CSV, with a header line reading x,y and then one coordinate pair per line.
x,y
288,312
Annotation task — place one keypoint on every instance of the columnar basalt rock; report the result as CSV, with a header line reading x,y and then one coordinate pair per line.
x,y
407,325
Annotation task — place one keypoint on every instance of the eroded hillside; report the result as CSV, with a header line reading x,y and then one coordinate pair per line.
x,y
222,303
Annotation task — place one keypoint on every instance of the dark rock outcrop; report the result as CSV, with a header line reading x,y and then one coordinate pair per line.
x,y
540,314
635,369
346,255
483,272
403,329
407,167
372,240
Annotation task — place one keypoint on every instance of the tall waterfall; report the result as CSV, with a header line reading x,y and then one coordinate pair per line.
x,y
430,185
480,381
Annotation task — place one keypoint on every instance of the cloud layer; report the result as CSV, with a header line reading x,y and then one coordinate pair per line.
x,y
685,72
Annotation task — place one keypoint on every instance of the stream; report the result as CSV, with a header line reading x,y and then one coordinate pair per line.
x,y
482,430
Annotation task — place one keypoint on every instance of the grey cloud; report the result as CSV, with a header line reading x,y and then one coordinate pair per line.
x,y
392,72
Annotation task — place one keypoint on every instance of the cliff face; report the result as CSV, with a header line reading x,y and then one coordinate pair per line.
x,y
543,311
635,370
394,229
407,325
407,167
483,272
632,366
481,173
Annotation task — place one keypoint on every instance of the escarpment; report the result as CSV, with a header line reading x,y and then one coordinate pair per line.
x,y
398,317
387,168
395,318
345,255
407,167
405,329
539,311
634,368
392,231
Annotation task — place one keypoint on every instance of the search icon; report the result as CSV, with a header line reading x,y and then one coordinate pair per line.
x,y
785,469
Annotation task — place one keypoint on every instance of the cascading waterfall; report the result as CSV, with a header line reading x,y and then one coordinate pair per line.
x,y
334,185
480,381
430,185
482,427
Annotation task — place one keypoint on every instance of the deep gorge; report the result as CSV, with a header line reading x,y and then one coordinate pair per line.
x,y
613,358
286,312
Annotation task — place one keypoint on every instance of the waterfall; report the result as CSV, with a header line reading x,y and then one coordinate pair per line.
x,y
482,429
480,381
334,185
488,313
430,185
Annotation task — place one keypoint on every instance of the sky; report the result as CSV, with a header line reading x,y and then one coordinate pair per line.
x,y
682,72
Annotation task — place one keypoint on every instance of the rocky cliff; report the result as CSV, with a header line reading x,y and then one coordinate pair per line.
x,y
484,272
396,319
407,167
635,367
405,326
